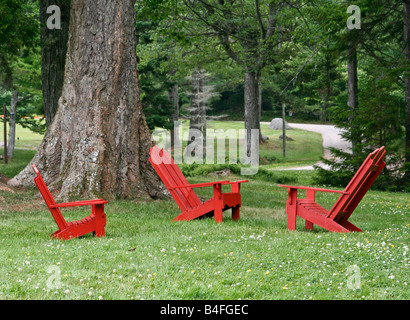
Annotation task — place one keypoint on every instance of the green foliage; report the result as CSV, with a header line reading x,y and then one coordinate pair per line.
x,y
154,82
20,60
27,81
158,110
303,65
380,116
19,26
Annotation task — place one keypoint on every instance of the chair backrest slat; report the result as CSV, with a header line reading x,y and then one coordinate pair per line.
x,y
49,200
359,185
172,176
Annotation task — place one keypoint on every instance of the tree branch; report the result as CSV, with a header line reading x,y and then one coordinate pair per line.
x,y
25,98
224,40
303,67
301,14
258,16
271,25
215,26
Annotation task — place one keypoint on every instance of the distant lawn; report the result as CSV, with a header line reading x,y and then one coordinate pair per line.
x,y
25,150
27,139
306,149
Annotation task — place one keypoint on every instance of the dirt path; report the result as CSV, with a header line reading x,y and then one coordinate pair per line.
x,y
331,138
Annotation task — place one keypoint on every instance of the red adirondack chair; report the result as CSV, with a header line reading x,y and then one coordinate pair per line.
x,y
335,219
94,223
184,195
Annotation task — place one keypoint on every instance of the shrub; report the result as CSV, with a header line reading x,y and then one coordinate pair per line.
x,y
192,170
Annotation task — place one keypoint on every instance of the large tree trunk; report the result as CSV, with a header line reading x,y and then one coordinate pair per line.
x,y
328,89
98,144
53,56
251,93
406,9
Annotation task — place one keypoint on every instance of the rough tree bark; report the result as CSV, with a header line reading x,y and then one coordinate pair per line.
x,y
53,56
12,123
251,94
14,101
98,144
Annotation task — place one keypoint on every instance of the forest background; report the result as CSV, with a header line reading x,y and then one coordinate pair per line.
x,y
241,61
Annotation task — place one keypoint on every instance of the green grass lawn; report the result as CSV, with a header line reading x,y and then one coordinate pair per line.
x,y
18,163
146,256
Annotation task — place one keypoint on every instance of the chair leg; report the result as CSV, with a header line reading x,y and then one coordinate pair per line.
x,y
100,220
182,217
350,226
65,234
218,214
291,211
291,221
308,225
235,213
334,226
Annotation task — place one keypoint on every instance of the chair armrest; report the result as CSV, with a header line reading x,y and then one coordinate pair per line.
x,y
240,181
79,203
200,185
208,184
313,189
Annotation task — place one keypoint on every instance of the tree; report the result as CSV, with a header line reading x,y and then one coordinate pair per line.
x,y
53,55
155,85
251,34
18,39
201,94
99,142
372,113
23,95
